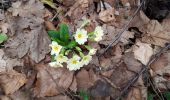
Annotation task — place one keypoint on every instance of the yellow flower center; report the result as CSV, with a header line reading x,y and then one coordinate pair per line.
x,y
74,62
85,58
55,48
79,35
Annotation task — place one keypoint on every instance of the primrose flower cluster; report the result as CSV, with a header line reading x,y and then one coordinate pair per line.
x,y
66,49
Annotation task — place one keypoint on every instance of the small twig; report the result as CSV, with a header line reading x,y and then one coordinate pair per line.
x,y
54,16
155,90
104,6
111,83
117,37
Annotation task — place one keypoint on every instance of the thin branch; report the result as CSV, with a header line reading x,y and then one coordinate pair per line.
x,y
156,90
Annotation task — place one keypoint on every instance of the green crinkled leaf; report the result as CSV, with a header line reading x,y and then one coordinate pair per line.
x,y
64,33
71,45
3,37
55,36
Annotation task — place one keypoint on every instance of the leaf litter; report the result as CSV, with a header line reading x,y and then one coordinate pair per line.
x,y
106,76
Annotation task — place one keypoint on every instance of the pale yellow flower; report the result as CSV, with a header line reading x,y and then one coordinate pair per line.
x,y
74,63
56,48
92,51
86,59
61,58
81,36
98,33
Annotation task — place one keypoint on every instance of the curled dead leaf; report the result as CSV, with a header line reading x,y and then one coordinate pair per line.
x,y
143,52
59,79
107,15
28,34
83,80
11,81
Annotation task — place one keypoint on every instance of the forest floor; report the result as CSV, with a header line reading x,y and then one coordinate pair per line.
x,y
132,60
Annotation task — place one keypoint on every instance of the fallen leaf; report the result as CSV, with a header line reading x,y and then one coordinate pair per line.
x,y
28,32
83,80
155,34
4,97
120,78
21,95
161,71
107,15
135,94
62,80
123,74
138,91
101,89
73,86
160,63
2,16
66,79
78,9
68,2
143,52
126,36
111,57
7,63
4,27
131,63
11,81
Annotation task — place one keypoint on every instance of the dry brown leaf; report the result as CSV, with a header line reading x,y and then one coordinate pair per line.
x,y
66,79
131,62
101,89
160,63
42,87
49,25
2,16
62,79
4,27
21,95
138,92
139,21
125,37
165,24
28,31
111,57
83,80
8,63
107,73
73,86
11,81
78,9
143,52
155,34
4,97
107,15
135,94
121,75
161,71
